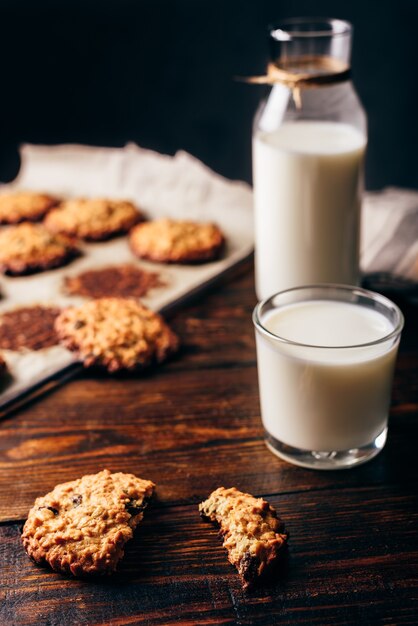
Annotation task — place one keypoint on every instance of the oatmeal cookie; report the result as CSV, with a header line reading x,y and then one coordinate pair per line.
x,y
252,532
170,241
115,333
28,248
93,219
81,527
117,280
22,206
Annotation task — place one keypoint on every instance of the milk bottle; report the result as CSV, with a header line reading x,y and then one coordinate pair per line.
x,y
309,142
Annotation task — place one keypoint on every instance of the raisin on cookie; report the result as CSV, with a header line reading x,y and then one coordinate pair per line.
x,y
81,527
93,219
116,333
22,206
27,248
252,533
170,241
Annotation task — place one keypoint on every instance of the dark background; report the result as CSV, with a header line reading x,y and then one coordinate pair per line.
x,y
160,73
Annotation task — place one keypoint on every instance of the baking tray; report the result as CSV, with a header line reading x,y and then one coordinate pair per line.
x,y
31,372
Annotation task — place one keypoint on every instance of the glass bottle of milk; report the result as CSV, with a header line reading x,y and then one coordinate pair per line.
x,y
309,140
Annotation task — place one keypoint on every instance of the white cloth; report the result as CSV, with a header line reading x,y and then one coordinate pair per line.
x,y
163,185
389,240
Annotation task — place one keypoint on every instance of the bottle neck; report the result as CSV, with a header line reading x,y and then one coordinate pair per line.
x,y
310,76
313,46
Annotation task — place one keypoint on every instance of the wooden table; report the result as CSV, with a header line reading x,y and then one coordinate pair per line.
x,y
190,427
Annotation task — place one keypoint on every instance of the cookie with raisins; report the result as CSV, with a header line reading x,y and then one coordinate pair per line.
x,y
81,527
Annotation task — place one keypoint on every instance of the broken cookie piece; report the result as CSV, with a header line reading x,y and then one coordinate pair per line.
x,y
81,527
252,533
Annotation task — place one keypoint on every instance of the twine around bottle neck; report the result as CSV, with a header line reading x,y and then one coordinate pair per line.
x,y
304,72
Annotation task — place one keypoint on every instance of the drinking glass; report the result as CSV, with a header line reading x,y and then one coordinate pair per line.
x,y
325,404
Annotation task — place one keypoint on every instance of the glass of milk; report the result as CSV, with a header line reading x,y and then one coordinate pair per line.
x,y
308,152
325,358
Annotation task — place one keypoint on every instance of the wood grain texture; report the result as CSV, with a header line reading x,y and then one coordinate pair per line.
x,y
351,558
192,426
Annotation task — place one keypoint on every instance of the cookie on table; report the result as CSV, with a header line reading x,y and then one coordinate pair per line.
x,y
27,248
21,206
252,533
116,333
82,526
171,241
94,219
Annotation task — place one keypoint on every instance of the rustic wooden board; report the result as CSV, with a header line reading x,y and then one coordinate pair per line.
x,y
191,426
351,558
188,447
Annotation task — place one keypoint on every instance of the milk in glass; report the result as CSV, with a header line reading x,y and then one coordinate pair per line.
x,y
324,384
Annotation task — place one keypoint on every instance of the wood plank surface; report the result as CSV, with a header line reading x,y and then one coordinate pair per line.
x,y
351,558
191,426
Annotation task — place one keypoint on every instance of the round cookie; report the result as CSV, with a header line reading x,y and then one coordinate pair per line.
x,y
93,219
171,241
22,206
27,248
82,526
115,333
